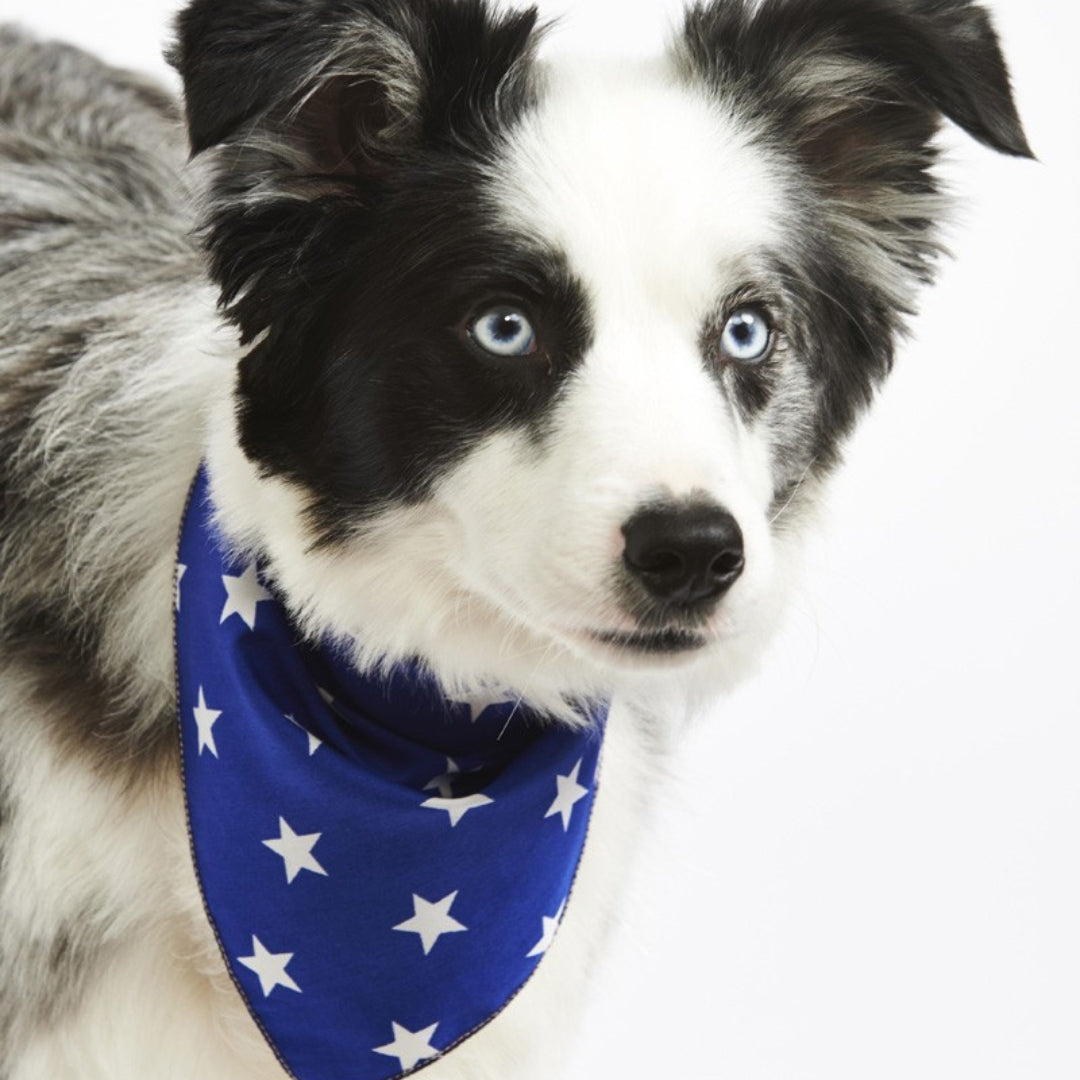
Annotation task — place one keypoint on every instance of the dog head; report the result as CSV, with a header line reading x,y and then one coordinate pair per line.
x,y
543,363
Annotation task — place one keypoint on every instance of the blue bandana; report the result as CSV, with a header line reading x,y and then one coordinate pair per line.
x,y
383,869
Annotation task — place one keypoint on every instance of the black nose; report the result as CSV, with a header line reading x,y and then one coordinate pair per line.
x,y
684,554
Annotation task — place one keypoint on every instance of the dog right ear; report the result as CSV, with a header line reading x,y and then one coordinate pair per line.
x,y
310,112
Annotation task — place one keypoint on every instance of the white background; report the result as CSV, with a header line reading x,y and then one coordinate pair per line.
x,y
868,868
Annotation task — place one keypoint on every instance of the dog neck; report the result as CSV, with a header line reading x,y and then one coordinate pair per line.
x,y
383,868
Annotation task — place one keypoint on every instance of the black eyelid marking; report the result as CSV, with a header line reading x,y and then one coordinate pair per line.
x,y
757,299
487,302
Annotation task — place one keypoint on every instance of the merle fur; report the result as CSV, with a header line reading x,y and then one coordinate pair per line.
x,y
77,274
862,135
79,268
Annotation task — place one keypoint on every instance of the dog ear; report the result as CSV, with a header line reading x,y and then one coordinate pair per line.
x,y
280,64
859,88
344,84
311,111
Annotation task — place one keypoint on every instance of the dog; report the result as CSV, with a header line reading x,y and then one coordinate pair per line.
x,y
517,379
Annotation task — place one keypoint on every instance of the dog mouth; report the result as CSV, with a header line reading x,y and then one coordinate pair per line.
x,y
655,642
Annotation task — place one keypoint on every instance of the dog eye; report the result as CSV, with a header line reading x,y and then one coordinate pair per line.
x,y
504,331
747,336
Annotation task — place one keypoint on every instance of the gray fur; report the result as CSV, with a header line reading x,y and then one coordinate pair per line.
x,y
95,258
45,977
95,252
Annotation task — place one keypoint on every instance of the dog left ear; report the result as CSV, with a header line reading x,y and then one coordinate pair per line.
x,y
857,86
847,96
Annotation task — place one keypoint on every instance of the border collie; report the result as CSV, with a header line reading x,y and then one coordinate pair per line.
x,y
510,385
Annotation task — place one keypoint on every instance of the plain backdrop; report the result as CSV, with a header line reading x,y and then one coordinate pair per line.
x,y
868,865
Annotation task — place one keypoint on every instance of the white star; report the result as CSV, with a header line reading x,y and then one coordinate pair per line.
x,y
457,808
548,936
243,595
181,570
270,967
444,783
431,921
409,1047
204,720
570,792
296,851
481,700
313,741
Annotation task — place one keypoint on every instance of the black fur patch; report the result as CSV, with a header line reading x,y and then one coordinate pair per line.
x,y
350,231
843,331
390,392
58,657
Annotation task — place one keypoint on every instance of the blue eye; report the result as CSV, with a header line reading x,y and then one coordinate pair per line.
x,y
504,331
747,336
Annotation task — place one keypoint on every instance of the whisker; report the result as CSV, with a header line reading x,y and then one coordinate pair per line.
x,y
794,491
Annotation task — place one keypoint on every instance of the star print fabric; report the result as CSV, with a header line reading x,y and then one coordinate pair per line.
x,y
383,869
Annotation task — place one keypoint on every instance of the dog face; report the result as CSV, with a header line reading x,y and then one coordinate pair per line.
x,y
545,362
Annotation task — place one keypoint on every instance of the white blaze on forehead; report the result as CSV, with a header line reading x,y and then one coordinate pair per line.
x,y
659,197
649,186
